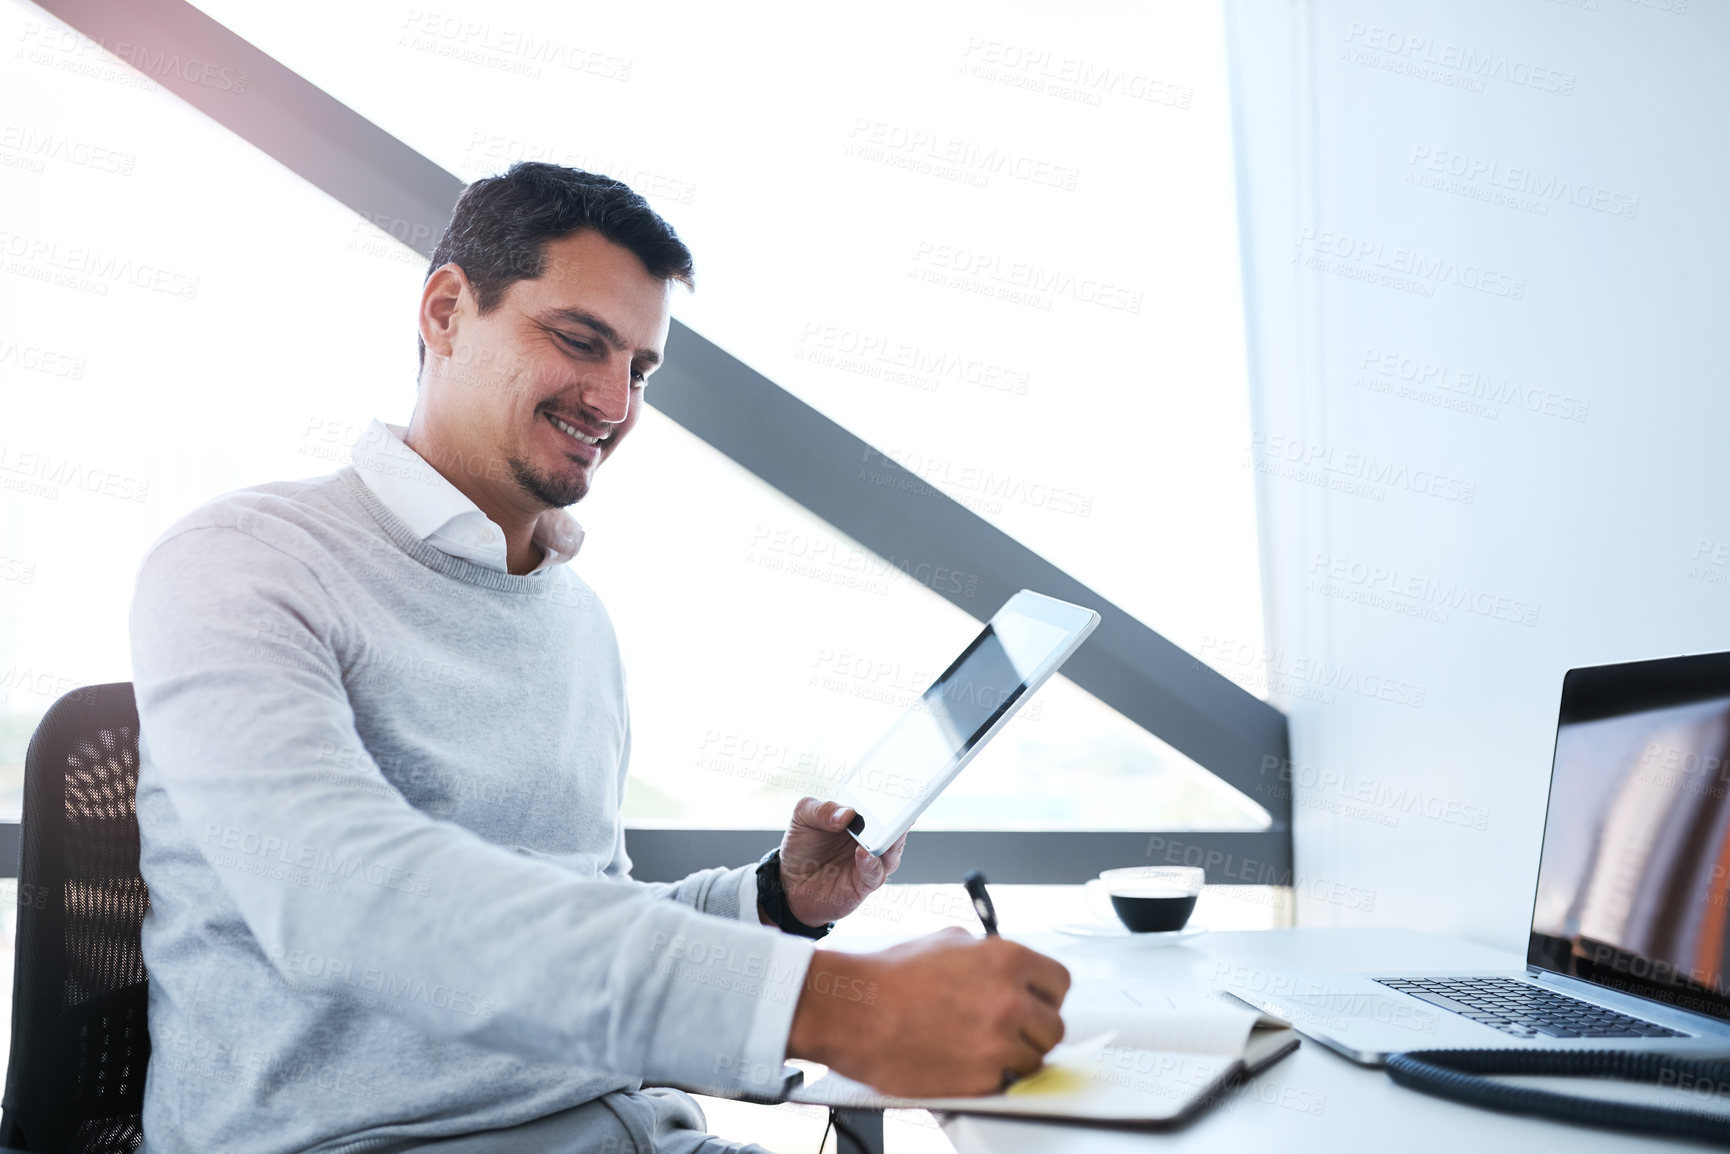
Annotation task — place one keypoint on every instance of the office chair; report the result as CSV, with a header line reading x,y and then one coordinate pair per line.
x,y
75,1081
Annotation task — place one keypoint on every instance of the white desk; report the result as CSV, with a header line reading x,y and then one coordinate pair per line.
x,y
1313,1100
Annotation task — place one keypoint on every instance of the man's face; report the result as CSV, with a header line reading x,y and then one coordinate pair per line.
x,y
533,396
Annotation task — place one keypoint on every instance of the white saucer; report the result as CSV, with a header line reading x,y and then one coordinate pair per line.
x,y
1117,930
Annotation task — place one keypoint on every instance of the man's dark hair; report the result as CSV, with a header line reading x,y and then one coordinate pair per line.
x,y
501,225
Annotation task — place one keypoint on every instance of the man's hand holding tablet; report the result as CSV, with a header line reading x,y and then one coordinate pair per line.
x,y
824,872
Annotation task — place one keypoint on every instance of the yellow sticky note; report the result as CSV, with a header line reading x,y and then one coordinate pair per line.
x,y
1049,1080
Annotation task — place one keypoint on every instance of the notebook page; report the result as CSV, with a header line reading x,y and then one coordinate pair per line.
x,y
1097,1072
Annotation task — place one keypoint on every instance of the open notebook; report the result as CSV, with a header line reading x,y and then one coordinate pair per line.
x,y
1129,1066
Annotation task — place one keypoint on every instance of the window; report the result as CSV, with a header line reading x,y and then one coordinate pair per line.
x,y
1004,254
949,246
179,316
1002,248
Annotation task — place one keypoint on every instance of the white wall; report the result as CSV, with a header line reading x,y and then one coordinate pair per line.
x,y
1556,453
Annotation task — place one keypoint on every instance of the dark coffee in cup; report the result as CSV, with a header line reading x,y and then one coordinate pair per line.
x,y
1149,899
1153,911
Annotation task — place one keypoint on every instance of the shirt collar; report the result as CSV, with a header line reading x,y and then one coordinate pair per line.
x,y
440,514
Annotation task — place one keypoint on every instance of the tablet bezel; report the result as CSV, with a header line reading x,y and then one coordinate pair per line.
x,y
877,831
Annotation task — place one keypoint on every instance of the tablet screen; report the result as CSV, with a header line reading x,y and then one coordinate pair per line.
x,y
912,761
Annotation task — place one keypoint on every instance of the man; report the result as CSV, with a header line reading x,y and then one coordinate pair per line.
x,y
384,740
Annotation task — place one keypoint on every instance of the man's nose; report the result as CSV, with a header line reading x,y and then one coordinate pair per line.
x,y
607,392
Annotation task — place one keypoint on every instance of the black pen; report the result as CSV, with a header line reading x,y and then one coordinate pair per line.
x,y
975,883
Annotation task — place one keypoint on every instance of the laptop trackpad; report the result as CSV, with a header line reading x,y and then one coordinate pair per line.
x,y
1338,1009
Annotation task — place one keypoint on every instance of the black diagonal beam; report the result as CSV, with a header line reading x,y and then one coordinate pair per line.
x,y
790,445
894,513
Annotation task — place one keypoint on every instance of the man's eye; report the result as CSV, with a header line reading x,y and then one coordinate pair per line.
x,y
582,346
638,380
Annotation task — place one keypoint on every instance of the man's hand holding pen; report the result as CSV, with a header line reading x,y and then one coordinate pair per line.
x,y
947,1015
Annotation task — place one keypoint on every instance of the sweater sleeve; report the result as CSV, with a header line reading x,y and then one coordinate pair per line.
x,y
236,666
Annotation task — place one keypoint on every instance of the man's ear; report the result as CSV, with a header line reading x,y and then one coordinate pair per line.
x,y
442,302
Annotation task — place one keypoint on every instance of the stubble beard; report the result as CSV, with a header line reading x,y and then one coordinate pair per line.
x,y
553,492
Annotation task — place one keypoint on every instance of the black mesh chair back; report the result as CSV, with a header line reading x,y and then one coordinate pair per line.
x,y
75,1079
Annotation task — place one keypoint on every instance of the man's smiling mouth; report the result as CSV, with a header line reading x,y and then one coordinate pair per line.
x,y
572,431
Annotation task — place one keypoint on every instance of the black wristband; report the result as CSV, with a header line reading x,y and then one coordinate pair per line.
x,y
773,899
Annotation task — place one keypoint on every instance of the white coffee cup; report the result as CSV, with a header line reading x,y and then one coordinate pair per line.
x,y
1147,899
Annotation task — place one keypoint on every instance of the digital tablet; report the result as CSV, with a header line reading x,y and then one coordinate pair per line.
x,y
1021,646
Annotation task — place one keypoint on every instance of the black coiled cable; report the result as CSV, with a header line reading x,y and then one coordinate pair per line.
x,y
1463,1076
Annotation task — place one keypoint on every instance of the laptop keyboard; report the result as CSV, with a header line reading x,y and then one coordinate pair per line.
x,y
1526,1010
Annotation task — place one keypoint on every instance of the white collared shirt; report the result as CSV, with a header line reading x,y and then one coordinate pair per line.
x,y
439,512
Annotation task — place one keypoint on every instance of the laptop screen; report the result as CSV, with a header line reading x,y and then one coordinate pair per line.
x,y
1634,878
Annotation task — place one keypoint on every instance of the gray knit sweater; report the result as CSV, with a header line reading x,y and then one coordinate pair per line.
x,y
379,801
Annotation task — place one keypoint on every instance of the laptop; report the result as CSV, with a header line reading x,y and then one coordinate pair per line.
x,y
1630,938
